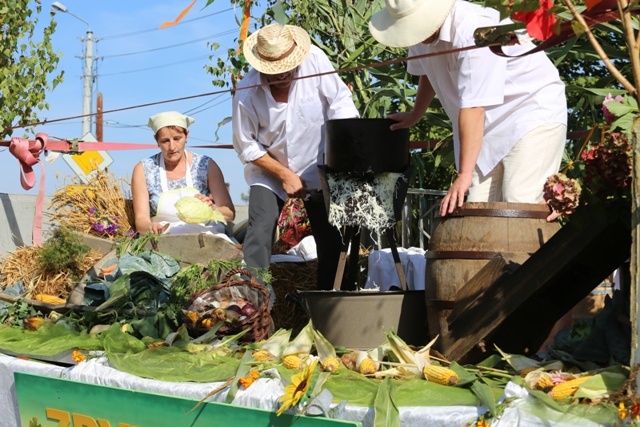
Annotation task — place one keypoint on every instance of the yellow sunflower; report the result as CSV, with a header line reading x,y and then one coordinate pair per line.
x,y
300,383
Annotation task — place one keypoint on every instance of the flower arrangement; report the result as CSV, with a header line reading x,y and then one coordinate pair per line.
x,y
104,223
601,172
98,207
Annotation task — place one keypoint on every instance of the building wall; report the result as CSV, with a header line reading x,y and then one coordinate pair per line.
x,y
18,212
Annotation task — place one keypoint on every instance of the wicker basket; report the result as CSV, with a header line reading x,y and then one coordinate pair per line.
x,y
233,287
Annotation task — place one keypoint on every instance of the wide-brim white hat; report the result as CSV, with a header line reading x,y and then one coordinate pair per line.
x,y
169,118
404,23
276,48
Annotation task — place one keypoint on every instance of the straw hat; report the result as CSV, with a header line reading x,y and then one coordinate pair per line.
x,y
169,118
276,48
404,23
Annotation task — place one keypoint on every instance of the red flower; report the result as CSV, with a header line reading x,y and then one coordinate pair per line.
x,y
539,22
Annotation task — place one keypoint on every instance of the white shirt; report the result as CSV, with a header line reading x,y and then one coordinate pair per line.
x,y
293,132
518,94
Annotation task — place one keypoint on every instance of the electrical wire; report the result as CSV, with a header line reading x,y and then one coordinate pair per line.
x,y
135,33
182,61
225,33
222,91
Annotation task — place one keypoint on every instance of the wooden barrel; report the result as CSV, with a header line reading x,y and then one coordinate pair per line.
x,y
462,243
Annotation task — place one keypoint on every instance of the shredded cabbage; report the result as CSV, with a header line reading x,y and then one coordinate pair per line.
x,y
362,200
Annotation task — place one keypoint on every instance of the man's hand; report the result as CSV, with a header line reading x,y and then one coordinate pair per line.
x,y
455,197
293,185
554,213
404,120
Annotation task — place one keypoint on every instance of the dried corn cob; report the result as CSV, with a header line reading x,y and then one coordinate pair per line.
x,y
331,364
544,383
523,373
440,375
367,366
50,299
568,388
261,355
292,361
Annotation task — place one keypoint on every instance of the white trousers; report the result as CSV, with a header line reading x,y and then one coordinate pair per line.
x,y
520,176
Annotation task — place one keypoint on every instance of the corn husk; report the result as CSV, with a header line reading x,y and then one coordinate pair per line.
x,y
302,344
412,362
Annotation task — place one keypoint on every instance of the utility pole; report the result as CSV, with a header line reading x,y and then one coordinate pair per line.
x,y
87,93
99,118
87,78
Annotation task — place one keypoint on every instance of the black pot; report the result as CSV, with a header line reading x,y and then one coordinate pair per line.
x,y
366,145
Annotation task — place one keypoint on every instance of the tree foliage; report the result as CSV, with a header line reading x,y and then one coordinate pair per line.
x,y
26,64
380,86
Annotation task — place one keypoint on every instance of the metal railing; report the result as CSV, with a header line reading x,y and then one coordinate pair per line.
x,y
418,215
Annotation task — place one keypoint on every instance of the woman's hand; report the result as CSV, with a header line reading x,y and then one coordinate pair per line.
x,y
208,200
158,227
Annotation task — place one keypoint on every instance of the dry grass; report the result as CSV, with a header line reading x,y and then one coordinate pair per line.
x,y
22,265
72,204
288,278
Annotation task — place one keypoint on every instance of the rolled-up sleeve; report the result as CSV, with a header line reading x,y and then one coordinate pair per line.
x,y
335,91
244,123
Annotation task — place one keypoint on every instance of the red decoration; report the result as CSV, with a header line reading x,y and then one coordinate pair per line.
x,y
540,22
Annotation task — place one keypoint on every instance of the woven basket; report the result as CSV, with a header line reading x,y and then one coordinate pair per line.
x,y
231,288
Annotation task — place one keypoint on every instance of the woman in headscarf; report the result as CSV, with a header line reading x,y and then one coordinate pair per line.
x,y
161,180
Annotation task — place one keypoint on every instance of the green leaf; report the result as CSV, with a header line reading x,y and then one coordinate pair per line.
x,y
243,369
279,14
624,123
386,412
484,393
619,109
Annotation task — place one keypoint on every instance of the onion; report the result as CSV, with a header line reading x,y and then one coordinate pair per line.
x,y
248,309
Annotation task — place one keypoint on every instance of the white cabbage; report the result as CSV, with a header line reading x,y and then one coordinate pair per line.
x,y
194,211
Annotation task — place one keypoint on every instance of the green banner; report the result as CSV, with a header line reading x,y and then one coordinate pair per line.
x,y
53,402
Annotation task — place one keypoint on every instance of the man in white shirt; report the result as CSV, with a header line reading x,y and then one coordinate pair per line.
x,y
509,114
278,131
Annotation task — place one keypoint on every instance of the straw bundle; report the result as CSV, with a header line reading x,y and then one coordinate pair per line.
x,y
22,265
289,277
98,207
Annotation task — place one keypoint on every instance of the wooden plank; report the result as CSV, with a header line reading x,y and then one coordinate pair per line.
x,y
195,248
517,311
468,296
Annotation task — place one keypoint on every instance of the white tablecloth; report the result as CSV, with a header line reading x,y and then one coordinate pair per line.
x,y
382,271
263,394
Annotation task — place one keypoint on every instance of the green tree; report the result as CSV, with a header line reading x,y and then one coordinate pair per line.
x,y
376,73
340,28
26,63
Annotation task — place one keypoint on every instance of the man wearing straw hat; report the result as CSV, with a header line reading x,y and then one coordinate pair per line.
x,y
509,114
278,132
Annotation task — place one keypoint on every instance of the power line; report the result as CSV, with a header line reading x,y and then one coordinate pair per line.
x,y
225,33
191,111
227,99
222,91
135,33
182,61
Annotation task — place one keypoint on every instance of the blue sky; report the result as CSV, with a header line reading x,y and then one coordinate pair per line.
x,y
137,63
